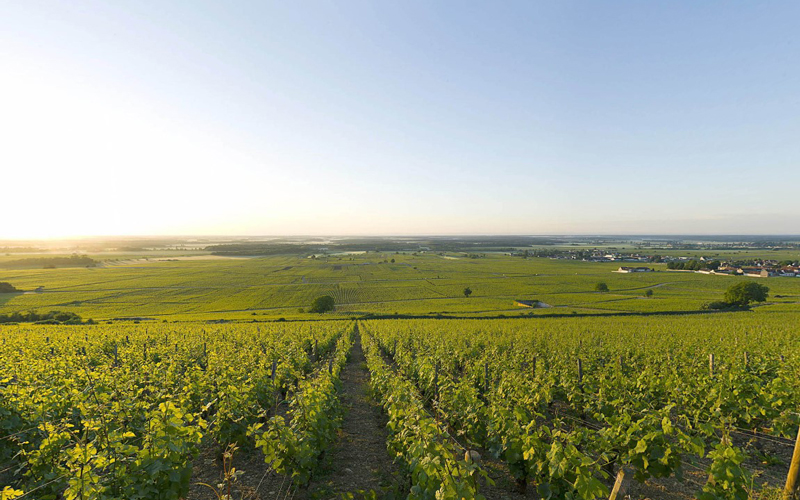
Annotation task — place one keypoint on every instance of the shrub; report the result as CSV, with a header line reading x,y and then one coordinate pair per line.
x,y
717,305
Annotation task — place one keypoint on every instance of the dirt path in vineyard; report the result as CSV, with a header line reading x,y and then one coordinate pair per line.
x,y
359,460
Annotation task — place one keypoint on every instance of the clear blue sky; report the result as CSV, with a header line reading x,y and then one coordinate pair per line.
x,y
412,117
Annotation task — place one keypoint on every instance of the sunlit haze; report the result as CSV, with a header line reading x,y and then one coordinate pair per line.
x,y
260,118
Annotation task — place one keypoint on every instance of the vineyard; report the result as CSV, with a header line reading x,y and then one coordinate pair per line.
x,y
564,407
121,412
698,407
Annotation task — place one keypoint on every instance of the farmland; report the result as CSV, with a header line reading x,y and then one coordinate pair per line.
x,y
266,288
204,366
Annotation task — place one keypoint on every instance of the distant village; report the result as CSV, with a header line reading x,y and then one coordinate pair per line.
x,y
762,268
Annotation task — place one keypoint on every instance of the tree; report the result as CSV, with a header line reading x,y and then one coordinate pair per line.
x,y
743,293
467,292
7,288
601,287
649,292
322,304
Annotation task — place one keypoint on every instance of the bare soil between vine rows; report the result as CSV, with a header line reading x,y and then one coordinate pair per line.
x,y
359,461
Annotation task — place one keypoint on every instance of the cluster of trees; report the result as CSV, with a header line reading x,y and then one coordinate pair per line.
x,y
6,287
470,244
322,304
741,295
694,265
52,317
74,260
10,250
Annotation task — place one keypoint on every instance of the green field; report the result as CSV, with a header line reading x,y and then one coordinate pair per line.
x,y
203,287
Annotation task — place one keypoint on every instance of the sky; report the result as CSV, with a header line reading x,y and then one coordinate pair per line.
x,y
387,118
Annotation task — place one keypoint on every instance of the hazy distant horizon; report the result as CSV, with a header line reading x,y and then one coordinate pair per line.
x,y
301,237
414,118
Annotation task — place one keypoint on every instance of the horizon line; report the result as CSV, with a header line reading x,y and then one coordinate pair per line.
x,y
398,235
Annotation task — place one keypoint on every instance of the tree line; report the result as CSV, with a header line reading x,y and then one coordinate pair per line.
x,y
48,318
694,265
74,260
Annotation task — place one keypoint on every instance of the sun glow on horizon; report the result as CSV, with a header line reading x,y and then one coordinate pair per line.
x,y
84,160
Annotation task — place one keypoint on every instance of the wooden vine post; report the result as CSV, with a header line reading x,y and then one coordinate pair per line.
x,y
436,390
436,381
711,364
275,390
794,471
580,374
617,485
